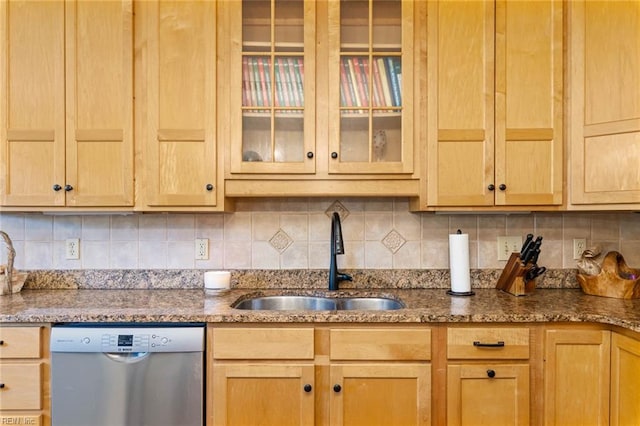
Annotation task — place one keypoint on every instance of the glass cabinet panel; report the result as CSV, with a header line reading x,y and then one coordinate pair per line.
x,y
273,84
370,60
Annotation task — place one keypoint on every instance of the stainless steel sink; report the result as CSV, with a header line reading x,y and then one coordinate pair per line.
x,y
369,304
288,303
317,303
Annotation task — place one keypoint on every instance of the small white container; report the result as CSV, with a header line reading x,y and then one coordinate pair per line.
x,y
217,280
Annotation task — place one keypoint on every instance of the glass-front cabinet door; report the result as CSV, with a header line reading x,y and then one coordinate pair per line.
x,y
370,86
272,70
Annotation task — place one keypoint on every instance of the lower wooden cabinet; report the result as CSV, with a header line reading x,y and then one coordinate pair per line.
x,y
576,376
625,380
319,375
488,394
488,376
268,394
380,394
24,376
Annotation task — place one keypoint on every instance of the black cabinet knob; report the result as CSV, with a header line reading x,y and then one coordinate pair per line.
x,y
307,388
502,187
57,187
334,155
491,187
68,188
309,154
209,187
1,385
1,342
491,373
337,388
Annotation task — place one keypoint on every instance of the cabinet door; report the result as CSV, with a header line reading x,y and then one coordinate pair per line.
x,y
460,121
269,394
99,103
179,119
371,54
488,394
271,66
576,377
380,394
605,102
625,376
32,108
528,102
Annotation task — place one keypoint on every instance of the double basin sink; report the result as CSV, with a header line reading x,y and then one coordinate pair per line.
x,y
318,303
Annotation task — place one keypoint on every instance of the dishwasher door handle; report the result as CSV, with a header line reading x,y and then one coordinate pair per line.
x,y
129,357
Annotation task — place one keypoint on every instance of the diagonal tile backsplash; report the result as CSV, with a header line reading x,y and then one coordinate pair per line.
x,y
294,234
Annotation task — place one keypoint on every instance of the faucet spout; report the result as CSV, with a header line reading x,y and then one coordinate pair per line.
x,y
337,247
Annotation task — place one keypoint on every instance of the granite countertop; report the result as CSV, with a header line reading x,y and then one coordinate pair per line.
x,y
422,306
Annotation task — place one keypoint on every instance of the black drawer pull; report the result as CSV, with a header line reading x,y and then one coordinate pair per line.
x,y
498,344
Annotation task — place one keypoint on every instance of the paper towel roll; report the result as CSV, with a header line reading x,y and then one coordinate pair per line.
x,y
459,263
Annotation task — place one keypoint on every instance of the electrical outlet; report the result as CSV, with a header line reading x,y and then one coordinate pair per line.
x,y
508,245
202,248
579,246
72,249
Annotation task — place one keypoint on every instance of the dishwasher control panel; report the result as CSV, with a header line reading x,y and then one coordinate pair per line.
x,y
127,340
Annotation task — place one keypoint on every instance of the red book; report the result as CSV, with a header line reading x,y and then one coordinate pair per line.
x,y
362,95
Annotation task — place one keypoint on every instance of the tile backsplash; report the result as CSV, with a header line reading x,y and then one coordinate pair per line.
x,y
294,234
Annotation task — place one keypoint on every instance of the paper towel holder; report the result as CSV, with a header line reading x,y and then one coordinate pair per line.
x,y
460,293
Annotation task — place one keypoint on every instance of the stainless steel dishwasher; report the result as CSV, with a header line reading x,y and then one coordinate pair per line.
x,y
127,374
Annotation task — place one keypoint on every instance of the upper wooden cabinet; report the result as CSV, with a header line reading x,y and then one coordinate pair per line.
x,y
494,115
605,103
66,116
176,78
319,97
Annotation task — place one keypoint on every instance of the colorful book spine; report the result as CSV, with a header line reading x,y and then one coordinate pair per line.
x,y
354,83
344,84
364,74
284,81
263,82
267,79
278,82
392,71
377,84
292,78
384,82
298,66
362,93
289,83
256,81
246,83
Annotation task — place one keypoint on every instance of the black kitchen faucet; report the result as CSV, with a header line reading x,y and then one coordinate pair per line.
x,y
337,247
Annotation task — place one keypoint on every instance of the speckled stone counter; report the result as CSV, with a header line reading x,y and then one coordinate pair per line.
x,y
422,306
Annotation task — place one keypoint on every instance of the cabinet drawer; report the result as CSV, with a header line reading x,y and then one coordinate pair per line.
x,y
19,342
488,343
21,390
383,344
263,343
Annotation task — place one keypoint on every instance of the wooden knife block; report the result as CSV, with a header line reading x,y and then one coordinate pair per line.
x,y
512,278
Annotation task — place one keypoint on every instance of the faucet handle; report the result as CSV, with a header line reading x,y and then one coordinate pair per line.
x,y
344,277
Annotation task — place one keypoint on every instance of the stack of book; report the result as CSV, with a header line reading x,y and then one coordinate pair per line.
x,y
378,84
280,84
